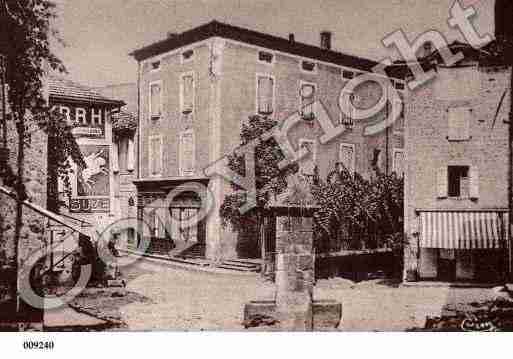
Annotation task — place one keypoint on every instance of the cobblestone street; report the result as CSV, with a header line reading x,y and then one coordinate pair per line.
x,y
191,300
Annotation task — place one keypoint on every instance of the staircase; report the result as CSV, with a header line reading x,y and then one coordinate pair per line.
x,y
193,252
241,265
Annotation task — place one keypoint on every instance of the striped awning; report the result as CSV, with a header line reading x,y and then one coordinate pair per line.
x,y
462,230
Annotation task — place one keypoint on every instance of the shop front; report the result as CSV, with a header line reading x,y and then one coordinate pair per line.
x,y
462,245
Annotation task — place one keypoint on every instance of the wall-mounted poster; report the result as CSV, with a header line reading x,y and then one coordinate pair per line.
x,y
93,181
87,121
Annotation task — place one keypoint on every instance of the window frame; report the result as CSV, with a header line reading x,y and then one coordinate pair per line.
x,y
183,60
300,103
257,76
394,152
449,186
181,156
182,89
353,147
468,116
313,72
151,155
273,59
150,115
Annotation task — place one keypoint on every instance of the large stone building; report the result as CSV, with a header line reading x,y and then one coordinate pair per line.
x,y
456,170
197,88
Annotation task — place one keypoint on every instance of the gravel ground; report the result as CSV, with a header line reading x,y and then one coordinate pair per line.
x,y
187,300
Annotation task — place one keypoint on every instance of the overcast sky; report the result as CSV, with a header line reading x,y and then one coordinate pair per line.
x,y
99,34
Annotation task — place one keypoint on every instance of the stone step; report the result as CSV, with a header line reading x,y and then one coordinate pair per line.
x,y
241,264
237,268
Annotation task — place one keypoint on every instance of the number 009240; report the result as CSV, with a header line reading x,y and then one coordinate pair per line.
x,y
49,345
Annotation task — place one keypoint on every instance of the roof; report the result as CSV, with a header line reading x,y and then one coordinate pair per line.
x,y
124,121
71,91
251,37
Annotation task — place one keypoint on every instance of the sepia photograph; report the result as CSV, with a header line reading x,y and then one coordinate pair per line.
x,y
249,166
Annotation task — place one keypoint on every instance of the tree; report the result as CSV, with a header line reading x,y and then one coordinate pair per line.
x,y
270,180
25,39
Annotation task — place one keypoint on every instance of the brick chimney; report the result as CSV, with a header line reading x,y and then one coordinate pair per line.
x,y
326,40
292,39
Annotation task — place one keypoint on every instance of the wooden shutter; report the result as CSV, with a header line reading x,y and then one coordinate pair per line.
x,y
130,155
265,95
441,182
115,157
122,151
155,156
474,182
399,163
187,162
459,123
188,93
347,157
155,103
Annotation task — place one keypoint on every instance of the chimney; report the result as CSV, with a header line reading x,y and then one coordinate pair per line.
x,y
326,40
292,39
171,34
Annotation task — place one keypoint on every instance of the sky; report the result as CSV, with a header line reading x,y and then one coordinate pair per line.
x,y
100,34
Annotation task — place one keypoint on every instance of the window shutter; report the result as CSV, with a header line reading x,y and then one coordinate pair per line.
x,y
399,163
442,185
188,91
474,182
155,156
265,95
155,100
115,157
130,166
187,153
347,157
459,123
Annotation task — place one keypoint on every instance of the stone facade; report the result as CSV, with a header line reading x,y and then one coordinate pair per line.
x,y
225,94
430,149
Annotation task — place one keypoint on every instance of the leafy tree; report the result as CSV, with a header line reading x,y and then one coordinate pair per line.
x,y
352,207
270,180
25,44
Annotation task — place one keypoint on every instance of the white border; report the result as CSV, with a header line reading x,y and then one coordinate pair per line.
x,y
156,82
261,74
182,76
180,153
150,156
353,147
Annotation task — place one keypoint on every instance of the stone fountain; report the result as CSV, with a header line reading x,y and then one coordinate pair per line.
x,y
294,308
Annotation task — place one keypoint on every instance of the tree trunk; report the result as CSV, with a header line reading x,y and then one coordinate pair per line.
x,y
20,126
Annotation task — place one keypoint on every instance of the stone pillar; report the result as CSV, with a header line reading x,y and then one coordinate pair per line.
x,y
294,272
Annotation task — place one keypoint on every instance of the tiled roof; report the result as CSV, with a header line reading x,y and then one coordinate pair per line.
x,y
231,32
66,89
124,121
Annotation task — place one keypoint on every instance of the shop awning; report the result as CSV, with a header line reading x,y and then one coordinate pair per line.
x,y
462,229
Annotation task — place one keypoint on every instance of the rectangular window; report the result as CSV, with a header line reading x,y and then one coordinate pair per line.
x,y
155,100
458,181
155,65
155,155
265,94
347,156
307,94
459,123
187,56
307,164
187,153
308,66
187,93
398,164
265,57
347,74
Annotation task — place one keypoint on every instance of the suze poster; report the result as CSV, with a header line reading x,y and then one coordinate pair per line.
x,y
93,181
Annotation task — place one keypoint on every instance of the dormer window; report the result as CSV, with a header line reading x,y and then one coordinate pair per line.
x,y
308,66
155,65
347,74
187,55
265,57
